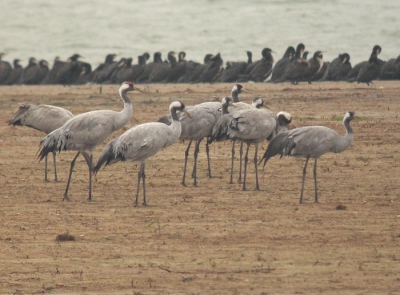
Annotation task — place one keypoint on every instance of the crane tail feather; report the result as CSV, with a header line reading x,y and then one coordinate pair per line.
x,y
107,156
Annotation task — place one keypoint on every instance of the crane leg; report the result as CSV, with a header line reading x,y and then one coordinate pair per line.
x,y
138,185
315,180
208,159
183,183
89,162
246,159
304,178
144,184
196,153
55,167
232,161
255,166
65,198
45,169
240,162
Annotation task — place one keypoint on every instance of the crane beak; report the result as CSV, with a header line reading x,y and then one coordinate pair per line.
x,y
138,89
188,114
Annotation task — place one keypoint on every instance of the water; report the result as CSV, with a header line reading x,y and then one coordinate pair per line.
x,y
93,28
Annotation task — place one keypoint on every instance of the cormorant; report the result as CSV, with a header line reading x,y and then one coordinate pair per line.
x,y
280,66
353,74
233,70
15,74
178,70
338,68
370,71
296,69
162,71
316,64
197,70
262,70
390,70
150,67
68,72
124,69
35,73
5,69
99,74
212,70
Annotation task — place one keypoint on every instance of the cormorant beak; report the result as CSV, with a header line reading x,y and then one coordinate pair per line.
x,y
135,88
244,90
344,60
233,105
188,114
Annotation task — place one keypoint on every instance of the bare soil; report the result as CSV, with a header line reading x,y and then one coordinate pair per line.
x,y
214,238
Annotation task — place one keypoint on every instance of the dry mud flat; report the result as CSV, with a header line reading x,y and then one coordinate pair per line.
x,y
215,238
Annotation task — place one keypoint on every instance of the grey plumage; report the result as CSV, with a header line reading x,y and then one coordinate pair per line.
x,y
253,126
45,118
141,142
310,142
84,132
204,116
221,127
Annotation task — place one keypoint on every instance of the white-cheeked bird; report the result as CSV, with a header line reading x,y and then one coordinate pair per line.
x,y
84,132
253,126
141,142
42,117
310,142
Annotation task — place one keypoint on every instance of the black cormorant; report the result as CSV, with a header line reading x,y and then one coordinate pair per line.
x,y
34,74
162,71
212,70
99,74
233,70
353,74
316,65
15,75
389,70
370,71
338,68
296,69
262,70
281,64
178,70
157,60
5,69
197,70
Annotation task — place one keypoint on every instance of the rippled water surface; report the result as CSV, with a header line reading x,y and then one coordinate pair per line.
x,y
93,28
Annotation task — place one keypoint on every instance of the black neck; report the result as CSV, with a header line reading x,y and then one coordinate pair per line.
x,y
174,115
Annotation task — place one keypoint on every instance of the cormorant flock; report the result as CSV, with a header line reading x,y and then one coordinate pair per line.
x,y
293,67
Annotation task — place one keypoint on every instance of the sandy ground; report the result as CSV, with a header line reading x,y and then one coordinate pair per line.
x,y
214,238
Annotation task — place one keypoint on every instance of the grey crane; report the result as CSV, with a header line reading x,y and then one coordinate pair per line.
x,y
42,117
84,132
310,142
253,126
220,130
204,116
141,142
